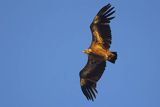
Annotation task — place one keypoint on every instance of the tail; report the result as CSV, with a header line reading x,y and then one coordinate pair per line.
x,y
113,57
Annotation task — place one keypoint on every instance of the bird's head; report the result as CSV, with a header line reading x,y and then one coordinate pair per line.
x,y
87,51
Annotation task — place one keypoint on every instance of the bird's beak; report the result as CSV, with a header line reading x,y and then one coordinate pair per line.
x,y
84,51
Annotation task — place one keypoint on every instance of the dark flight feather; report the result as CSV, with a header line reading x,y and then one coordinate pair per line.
x,y
90,74
100,25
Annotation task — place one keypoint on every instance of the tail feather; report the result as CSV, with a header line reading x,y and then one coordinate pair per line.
x,y
113,57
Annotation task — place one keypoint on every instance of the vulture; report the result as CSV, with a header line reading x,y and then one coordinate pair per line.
x,y
98,52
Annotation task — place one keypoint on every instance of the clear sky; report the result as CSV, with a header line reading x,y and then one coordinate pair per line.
x,y
41,43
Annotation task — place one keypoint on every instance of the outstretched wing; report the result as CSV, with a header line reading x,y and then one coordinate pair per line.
x,y
90,74
101,32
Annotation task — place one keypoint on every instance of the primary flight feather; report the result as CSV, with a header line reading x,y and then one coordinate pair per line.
x,y
98,52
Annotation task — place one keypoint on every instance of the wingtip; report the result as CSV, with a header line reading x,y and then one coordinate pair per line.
x,y
109,4
106,13
103,9
89,90
89,93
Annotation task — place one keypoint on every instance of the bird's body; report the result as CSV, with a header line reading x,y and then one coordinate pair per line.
x,y
98,52
97,49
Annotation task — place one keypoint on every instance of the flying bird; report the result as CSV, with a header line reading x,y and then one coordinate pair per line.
x,y
98,52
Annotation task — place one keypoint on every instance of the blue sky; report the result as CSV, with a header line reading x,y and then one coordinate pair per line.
x,y
41,43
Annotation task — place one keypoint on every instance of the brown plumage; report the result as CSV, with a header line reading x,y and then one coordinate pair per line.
x,y
98,52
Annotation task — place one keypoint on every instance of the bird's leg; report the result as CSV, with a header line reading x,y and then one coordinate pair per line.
x,y
101,52
106,57
109,55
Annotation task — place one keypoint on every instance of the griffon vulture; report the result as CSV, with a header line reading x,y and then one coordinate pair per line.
x,y
98,52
